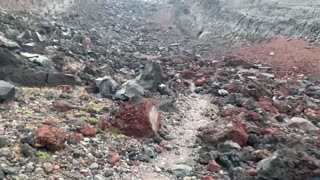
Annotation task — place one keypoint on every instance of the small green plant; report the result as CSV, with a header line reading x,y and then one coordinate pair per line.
x,y
116,131
96,107
28,112
43,155
42,94
93,120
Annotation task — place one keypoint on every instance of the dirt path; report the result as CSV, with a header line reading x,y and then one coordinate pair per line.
x,y
195,109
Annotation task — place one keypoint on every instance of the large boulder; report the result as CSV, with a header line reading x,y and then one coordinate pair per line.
x,y
8,59
128,90
138,118
286,164
8,43
7,91
237,133
23,76
303,124
151,76
107,86
38,59
49,137
55,79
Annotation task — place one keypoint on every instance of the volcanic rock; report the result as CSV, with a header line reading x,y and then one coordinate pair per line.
x,y
287,164
128,90
7,91
138,118
151,76
107,86
49,137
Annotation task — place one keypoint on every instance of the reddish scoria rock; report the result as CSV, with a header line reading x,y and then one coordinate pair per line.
x,y
252,172
311,113
86,40
270,131
207,178
213,166
237,133
62,106
138,118
253,116
87,130
232,111
113,158
282,106
158,149
200,81
187,74
265,104
49,137
75,137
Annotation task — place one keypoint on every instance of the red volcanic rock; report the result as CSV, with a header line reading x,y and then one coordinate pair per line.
x,y
200,81
282,106
260,154
253,116
49,137
237,133
62,106
213,166
265,104
113,158
207,178
232,111
87,130
75,137
158,149
311,113
187,74
270,131
252,172
138,118
86,40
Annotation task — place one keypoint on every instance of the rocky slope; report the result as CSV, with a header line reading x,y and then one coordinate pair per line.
x,y
114,90
251,20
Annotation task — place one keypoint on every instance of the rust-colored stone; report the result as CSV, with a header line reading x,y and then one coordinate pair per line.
x,y
233,111
138,118
270,131
62,106
213,166
88,130
113,158
265,104
252,172
200,81
86,40
49,137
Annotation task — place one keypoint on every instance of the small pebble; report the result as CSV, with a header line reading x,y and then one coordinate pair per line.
x,y
94,166
29,167
48,167
39,170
